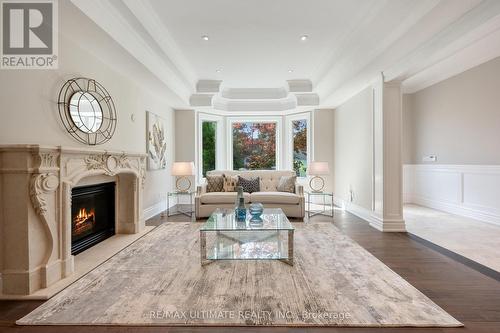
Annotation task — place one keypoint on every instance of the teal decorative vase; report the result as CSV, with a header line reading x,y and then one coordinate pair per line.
x,y
256,210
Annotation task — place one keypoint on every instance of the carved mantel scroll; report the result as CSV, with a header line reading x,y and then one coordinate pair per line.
x,y
40,185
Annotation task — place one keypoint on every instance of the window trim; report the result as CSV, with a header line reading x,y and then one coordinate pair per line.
x,y
253,119
289,156
219,142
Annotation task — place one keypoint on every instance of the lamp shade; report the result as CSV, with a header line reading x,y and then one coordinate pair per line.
x,y
183,169
318,168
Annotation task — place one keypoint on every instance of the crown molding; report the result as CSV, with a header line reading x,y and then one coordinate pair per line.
x,y
254,93
282,104
309,99
475,54
360,62
472,26
253,99
150,20
300,86
112,20
208,86
435,37
201,100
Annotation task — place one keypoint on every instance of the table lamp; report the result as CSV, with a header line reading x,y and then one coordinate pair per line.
x,y
183,170
317,169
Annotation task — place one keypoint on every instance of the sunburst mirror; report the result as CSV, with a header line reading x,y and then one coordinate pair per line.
x,y
87,111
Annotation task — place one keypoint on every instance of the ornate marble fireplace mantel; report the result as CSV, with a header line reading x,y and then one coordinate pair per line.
x,y
35,207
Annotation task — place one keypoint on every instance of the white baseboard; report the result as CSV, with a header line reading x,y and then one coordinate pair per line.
x,y
455,209
370,216
155,209
387,225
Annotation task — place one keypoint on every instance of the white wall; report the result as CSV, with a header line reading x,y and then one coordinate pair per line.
x,y
185,135
323,142
353,150
457,119
185,138
28,98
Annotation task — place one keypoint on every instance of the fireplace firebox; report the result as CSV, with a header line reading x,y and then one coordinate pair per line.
x,y
92,214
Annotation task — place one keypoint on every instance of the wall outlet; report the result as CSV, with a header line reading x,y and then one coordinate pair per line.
x,y
429,158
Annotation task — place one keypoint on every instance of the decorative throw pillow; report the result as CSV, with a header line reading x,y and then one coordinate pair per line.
x,y
249,185
287,184
230,183
215,183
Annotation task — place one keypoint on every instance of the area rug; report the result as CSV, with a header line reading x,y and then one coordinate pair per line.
x,y
158,280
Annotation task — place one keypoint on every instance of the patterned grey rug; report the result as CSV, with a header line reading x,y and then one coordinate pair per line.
x,y
158,280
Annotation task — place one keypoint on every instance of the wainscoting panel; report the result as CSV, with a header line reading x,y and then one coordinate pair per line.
x,y
467,190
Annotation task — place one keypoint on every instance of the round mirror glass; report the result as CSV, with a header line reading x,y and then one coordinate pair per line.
x,y
85,112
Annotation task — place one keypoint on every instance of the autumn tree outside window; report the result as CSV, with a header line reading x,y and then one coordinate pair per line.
x,y
299,137
254,145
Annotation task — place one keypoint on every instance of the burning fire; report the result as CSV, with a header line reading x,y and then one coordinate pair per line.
x,y
83,215
83,221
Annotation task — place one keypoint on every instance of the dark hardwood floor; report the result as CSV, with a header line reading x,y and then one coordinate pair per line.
x,y
464,292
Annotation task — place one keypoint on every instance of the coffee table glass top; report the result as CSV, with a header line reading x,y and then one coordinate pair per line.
x,y
225,220
222,237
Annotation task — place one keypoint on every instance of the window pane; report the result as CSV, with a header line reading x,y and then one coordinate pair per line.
x,y
209,131
299,135
254,146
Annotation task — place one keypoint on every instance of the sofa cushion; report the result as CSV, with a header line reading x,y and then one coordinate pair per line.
x,y
222,198
287,184
230,183
275,198
215,183
249,185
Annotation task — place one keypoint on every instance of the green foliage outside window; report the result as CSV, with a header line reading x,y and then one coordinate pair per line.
x,y
209,132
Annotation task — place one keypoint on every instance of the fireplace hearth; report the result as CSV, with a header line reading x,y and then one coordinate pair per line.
x,y
92,215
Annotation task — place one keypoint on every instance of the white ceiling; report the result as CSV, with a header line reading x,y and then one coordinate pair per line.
x,y
255,43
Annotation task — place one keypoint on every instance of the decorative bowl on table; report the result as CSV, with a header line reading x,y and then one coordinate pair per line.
x,y
255,211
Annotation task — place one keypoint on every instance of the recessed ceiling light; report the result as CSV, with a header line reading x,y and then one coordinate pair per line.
x,y
290,71
304,37
218,70
204,37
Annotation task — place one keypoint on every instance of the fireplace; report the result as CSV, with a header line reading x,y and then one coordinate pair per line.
x,y
92,215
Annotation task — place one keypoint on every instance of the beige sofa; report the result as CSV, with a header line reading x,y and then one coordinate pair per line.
x,y
293,204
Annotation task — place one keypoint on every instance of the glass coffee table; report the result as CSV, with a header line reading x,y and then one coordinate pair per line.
x,y
222,237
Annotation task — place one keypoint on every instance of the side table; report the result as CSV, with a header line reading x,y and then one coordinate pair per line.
x,y
326,203
176,198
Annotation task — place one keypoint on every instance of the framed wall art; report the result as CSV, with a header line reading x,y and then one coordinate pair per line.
x,y
156,141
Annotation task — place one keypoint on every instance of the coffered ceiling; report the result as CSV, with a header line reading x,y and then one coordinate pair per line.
x,y
254,48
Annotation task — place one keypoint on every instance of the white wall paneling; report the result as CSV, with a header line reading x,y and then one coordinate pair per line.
x,y
467,190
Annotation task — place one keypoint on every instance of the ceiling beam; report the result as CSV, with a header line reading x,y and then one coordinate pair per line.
x,y
150,20
112,18
474,25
